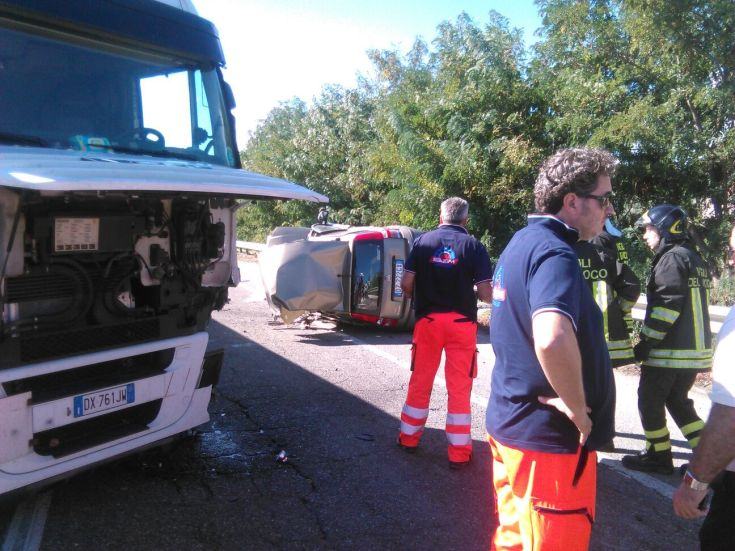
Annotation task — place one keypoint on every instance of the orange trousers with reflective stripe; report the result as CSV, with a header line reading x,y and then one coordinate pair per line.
x,y
539,508
456,335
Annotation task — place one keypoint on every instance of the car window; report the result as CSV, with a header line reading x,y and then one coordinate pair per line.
x,y
367,274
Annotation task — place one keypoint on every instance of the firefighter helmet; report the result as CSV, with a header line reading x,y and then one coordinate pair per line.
x,y
669,220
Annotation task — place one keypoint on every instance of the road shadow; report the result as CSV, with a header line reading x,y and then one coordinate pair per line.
x,y
292,459
322,339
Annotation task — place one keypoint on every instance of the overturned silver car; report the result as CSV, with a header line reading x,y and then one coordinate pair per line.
x,y
346,273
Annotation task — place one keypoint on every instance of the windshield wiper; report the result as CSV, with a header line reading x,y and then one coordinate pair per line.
x,y
22,139
153,152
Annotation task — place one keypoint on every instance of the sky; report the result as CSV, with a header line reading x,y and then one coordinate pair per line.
x,y
280,49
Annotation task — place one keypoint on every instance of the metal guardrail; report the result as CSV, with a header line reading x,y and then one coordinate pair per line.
x,y
717,314
246,246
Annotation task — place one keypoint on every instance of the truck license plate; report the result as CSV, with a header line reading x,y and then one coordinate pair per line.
x,y
101,400
397,278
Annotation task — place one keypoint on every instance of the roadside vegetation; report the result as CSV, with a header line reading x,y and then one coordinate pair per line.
x,y
473,113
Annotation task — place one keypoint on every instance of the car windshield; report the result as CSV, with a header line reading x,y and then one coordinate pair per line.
x,y
64,95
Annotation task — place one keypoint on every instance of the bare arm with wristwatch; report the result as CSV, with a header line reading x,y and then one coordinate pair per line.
x,y
715,450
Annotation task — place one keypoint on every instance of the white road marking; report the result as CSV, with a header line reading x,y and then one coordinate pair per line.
x,y
25,532
609,459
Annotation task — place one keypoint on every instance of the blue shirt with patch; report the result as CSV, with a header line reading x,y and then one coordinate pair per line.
x,y
539,271
447,262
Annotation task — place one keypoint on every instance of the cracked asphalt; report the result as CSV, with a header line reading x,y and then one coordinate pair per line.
x,y
300,454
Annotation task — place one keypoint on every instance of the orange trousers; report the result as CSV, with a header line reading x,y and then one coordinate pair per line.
x,y
457,336
539,507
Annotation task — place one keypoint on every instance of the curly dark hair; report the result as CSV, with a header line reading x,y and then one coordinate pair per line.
x,y
573,170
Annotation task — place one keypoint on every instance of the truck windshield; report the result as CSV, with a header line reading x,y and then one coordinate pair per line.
x,y
63,95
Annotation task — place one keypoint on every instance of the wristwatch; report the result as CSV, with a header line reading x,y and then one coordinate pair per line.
x,y
691,481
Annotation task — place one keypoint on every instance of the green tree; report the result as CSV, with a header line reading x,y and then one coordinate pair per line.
x,y
472,114
320,147
653,82
458,119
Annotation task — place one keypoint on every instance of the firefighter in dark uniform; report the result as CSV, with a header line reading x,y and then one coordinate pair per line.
x,y
616,289
676,342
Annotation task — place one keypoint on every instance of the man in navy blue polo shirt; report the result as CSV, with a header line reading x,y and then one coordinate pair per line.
x,y
441,270
552,399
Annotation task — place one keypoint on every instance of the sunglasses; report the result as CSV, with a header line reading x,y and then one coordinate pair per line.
x,y
605,199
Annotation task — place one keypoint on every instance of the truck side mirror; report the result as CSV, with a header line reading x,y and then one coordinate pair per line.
x,y
229,96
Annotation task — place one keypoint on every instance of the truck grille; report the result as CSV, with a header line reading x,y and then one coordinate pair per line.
x,y
67,343
41,286
79,380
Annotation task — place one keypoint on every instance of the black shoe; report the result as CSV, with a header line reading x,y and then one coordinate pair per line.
x,y
407,449
459,465
650,462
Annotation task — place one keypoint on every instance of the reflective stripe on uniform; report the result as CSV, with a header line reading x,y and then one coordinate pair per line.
x,y
413,419
621,354
416,413
684,364
600,291
459,418
409,429
660,433
652,333
664,314
698,315
691,432
456,439
458,429
662,446
618,345
694,426
681,354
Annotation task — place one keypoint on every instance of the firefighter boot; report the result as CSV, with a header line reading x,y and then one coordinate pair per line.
x,y
650,461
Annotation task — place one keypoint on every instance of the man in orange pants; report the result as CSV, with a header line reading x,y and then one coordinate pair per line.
x,y
441,270
545,501
552,400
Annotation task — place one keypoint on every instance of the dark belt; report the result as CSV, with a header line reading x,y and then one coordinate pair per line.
x,y
458,320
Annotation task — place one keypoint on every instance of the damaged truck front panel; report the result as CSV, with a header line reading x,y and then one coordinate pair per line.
x,y
117,229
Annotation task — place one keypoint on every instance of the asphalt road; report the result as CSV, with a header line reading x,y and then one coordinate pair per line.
x,y
300,454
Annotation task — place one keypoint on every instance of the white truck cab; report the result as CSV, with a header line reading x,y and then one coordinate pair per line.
x,y
119,181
